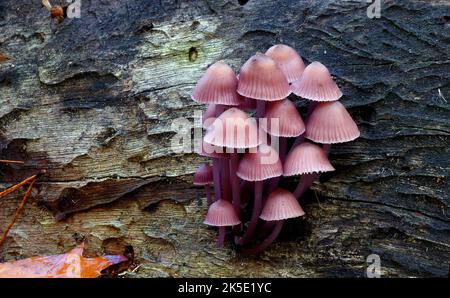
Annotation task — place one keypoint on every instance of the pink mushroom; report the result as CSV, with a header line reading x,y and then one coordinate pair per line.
x,y
221,214
204,176
307,160
316,84
218,86
234,129
217,154
280,205
289,61
261,78
284,121
257,167
330,123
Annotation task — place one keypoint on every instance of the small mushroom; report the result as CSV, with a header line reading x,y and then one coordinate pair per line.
x,y
262,165
217,86
330,123
221,214
234,130
216,153
284,121
261,78
316,84
289,61
307,160
280,205
204,176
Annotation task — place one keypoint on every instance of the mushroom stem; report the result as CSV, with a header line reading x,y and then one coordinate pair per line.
x,y
235,185
306,180
266,242
257,205
208,194
301,138
260,108
283,148
216,179
264,229
273,184
221,237
225,175
216,164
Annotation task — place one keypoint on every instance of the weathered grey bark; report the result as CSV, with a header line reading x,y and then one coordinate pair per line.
x,y
92,100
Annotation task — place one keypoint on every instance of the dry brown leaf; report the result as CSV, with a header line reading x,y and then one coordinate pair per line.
x,y
69,265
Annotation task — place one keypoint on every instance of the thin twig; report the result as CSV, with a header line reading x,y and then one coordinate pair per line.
x,y
16,215
16,186
12,161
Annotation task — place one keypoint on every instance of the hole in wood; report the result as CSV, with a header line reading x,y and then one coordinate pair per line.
x,y
193,54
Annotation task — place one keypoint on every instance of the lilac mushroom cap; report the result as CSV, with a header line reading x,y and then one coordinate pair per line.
x,y
290,123
306,158
330,123
221,214
233,129
280,205
262,165
261,78
217,86
289,61
316,84
203,175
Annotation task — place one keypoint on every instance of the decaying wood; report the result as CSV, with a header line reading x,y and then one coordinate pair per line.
x,y
92,101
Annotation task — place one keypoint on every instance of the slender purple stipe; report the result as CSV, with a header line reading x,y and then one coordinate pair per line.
x,y
266,242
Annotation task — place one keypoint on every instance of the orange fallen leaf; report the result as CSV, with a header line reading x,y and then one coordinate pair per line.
x,y
69,265
3,57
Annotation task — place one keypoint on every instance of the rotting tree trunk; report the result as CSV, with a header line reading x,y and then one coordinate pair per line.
x,y
92,101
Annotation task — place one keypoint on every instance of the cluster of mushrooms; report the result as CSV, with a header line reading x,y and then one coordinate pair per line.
x,y
255,135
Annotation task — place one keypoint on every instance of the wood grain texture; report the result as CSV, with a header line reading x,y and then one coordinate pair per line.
x,y
93,99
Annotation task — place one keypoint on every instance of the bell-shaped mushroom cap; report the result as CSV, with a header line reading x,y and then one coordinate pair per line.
x,y
316,84
221,214
208,116
209,150
204,175
290,124
306,158
281,204
289,61
260,165
261,78
330,123
233,129
218,85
